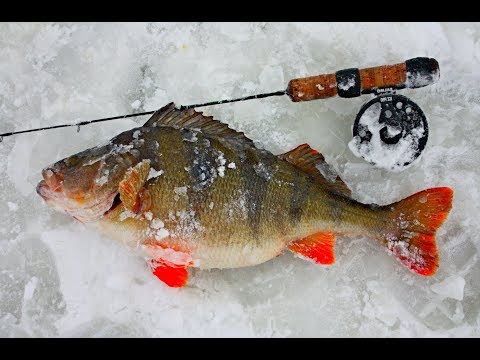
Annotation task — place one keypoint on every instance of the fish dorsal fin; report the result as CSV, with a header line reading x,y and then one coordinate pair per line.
x,y
170,116
305,158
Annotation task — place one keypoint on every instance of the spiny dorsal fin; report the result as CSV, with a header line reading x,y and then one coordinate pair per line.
x,y
169,115
133,181
305,158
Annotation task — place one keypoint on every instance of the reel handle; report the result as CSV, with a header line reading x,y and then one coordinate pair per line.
x,y
413,73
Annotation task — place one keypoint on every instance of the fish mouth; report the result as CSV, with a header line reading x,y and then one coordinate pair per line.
x,y
44,190
56,199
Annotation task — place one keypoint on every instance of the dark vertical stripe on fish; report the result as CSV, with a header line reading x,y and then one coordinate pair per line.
x,y
254,171
201,168
299,198
335,208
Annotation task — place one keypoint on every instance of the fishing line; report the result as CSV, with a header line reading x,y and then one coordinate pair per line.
x,y
82,123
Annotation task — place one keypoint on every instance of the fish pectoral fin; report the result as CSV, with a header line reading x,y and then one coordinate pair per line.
x,y
131,186
170,274
310,161
318,247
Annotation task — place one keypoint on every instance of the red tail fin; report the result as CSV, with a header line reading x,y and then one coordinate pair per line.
x,y
415,221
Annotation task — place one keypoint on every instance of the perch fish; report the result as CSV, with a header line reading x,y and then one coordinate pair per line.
x,y
186,191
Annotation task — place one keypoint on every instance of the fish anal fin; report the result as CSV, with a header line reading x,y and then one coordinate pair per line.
x,y
318,247
131,186
310,161
170,116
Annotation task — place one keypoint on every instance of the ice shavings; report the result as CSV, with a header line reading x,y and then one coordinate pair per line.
x,y
220,160
263,170
180,191
168,255
126,214
152,173
418,79
102,180
157,224
346,84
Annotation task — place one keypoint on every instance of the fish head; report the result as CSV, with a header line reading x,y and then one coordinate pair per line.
x,y
85,185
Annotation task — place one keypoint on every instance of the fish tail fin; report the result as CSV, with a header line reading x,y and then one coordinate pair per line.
x,y
415,219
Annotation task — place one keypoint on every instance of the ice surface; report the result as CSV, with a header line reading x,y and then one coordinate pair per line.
x,y
58,278
451,287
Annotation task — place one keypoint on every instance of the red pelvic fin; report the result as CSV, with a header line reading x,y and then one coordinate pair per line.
x,y
173,276
318,247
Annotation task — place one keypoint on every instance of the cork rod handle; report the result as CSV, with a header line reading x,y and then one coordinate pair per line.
x,y
413,73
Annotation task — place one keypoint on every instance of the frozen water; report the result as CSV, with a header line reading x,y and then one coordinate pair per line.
x,y
451,287
58,278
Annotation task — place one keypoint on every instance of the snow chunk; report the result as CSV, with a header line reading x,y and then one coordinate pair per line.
x,y
154,173
346,84
181,190
231,165
126,214
136,104
148,215
12,206
161,234
451,287
157,224
417,79
102,179
221,171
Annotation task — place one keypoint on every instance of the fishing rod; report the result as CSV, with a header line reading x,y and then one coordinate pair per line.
x,y
397,122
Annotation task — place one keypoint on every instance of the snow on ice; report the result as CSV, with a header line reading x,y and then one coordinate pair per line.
x,y
59,278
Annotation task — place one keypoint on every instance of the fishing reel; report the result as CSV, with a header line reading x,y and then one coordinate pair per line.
x,y
391,130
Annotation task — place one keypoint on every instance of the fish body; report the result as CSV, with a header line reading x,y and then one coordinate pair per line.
x,y
186,190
